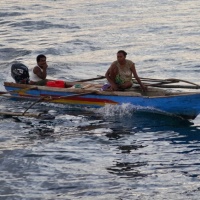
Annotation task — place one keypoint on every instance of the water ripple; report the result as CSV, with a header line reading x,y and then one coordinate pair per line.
x,y
121,152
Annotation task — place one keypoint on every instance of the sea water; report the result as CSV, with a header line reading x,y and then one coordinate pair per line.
x,y
115,152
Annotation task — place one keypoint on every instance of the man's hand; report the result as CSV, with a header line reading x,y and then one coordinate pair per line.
x,y
44,66
114,87
143,87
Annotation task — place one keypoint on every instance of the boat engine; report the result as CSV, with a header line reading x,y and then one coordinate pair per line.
x,y
20,73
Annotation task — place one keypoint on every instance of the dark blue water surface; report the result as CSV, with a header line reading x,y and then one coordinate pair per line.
x,y
115,152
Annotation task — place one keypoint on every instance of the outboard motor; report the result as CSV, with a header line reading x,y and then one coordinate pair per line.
x,y
20,73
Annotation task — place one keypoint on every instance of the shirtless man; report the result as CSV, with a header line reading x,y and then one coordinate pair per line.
x,y
39,72
119,74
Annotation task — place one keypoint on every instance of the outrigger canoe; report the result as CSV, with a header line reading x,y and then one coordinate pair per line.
x,y
183,104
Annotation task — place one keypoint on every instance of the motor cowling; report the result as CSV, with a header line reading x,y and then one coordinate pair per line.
x,y
20,73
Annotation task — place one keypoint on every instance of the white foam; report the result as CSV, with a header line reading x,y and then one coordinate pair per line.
x,y
125,109
100,131
120,110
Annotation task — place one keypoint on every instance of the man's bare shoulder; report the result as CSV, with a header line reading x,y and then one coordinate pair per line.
x,y
114,63
130,62
112,67
36,69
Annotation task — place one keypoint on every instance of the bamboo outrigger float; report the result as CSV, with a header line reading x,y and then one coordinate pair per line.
x,y
184,104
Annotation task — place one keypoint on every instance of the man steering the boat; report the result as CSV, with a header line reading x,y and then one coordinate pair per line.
x,y
119,74
39,73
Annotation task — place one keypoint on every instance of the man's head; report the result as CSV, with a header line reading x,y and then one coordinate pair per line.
x,y
121,56
41,60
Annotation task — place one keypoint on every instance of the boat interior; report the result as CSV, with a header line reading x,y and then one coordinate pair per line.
x,y
96,88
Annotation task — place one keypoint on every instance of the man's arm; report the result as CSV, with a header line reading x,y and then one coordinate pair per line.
x,y
110,77
137,78
39,73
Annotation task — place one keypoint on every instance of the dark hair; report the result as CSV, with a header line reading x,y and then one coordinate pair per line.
x,y
39,57
123,52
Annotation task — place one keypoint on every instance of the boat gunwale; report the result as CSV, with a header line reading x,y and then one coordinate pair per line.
x,y
98,92
74,90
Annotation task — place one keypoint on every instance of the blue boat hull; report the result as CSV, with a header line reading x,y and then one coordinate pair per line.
x,y
186,105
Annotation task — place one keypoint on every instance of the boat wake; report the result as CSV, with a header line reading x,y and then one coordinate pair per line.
x,y
125,109
128,109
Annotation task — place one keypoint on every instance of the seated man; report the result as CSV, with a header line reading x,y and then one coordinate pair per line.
x,y
119,74
39,72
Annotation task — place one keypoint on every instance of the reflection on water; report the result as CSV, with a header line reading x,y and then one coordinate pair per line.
x,y
82,149
127,170
116,153
129,148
